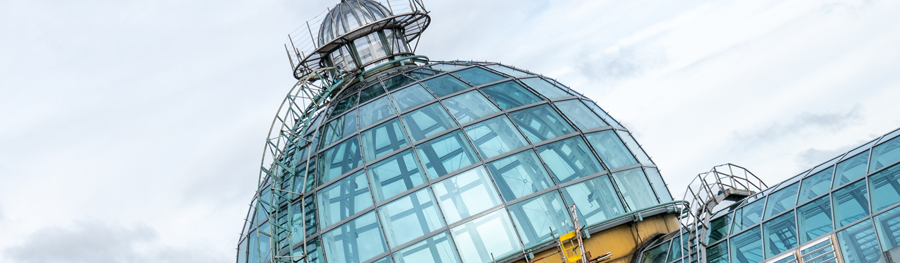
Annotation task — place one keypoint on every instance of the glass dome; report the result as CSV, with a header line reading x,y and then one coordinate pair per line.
x,y
348,16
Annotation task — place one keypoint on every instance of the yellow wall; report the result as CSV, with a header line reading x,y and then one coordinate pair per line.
x,y
622,240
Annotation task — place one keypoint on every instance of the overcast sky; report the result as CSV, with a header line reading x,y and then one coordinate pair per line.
x,y
132,131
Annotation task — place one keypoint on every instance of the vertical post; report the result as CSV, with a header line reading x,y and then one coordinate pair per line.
x,y
309,29
389,7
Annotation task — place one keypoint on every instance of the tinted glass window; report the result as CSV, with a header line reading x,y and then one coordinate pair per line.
x,y
885,186
746,247
344,198
859,243
355,241
611,150
427,121
469,106
850,169
491,234
579,114
410,217
437,248
495,136
340,159
541,123
635,189
375,111
477,76
383,139
446,154
510,95
815,185
536,216
519,175
445,85
410,97
545,88
780,234
595,200
885,154
466,194
851,203
782,200
395,175
569,159
814,219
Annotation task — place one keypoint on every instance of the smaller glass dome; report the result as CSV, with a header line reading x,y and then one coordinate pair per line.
x,y
350,15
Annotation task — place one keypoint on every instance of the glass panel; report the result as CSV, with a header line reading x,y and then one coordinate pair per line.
x,y
717,253
541,123
356,241
594,199
339,160
780,234
519,175
888,226
486,235
635,189
446,154
297,223
395,175
656,254
814,219
311,173
718,228
782,200
658,185
445,85
569,159
343,105
438,249
495,136
396,82
851,203
446,67
386,259
536,216
545,88
370,93
850,169
579,114
885,154
602,113
338,128
314,251
634,147
859,244
510,95
383,139
466,194
746,247
611,150
748,215
422,73
675,251
477,76
885,185
309,215
369,48
508,71
343,199
469,106
815,185
410,97
242,252
373,112
410,217
427,121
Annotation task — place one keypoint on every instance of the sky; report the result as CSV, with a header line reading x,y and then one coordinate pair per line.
x,y
132,131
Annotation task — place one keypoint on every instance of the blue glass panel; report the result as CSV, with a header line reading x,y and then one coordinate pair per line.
x,y
395,175
602,113
314,251
748,216
782,200
255,256
611,150
675,251
422,73
386,259
508,71
656,181
438,249
780,234
851,203
634,147
338,160
536,216
746,247
338,129
477,76
635,189
343,106
309,215
375,111
656,254
814,219
888,226
859,244
510,95
383,139
242,252
410,97
717,253
569,159
545,88
541,123
427,121
446,154
850,169
815,185
445,85
311,174
718,229
490,234
466,194
297,223
519,175
579,114
370,93
343,199
495,136
447,67
397,82
885,186
410,217
469,106
594,199
355,241
885,154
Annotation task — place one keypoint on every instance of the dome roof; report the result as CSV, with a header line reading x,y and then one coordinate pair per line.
x,y
350,15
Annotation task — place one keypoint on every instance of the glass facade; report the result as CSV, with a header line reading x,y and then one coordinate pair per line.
x,y
451,162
